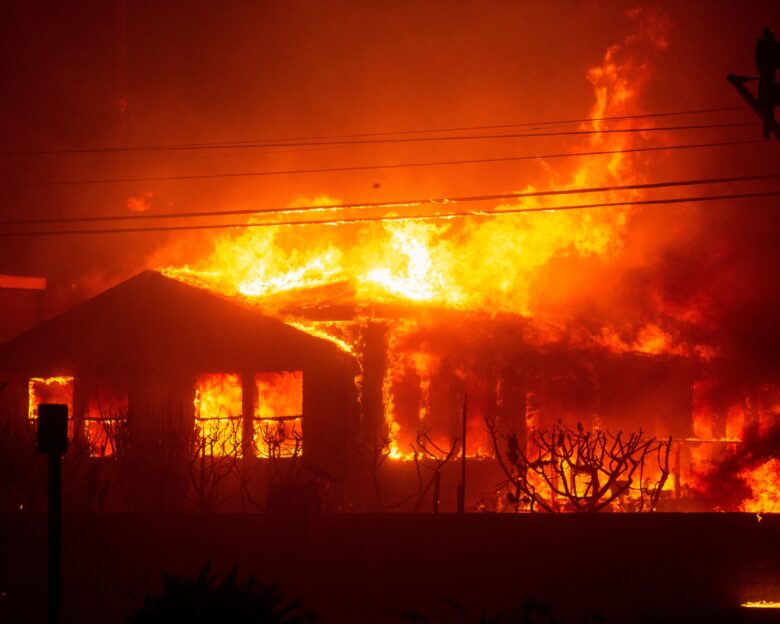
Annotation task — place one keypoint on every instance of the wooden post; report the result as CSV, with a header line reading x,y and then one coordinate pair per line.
x,y
462,486
247,414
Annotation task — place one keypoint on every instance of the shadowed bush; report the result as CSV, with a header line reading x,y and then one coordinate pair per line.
x,y
203,599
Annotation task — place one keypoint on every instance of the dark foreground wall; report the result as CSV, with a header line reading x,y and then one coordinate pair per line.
x,y
374,568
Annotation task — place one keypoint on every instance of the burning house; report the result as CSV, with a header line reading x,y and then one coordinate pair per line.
x,y
367,405
391,310
155,371
373,345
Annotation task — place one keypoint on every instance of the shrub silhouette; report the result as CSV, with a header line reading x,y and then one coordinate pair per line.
x,y
203,599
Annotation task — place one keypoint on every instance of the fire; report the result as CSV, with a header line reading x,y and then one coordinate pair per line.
x,y
652,339
218,408
101,425
487,264
761,604
256,263
50,390
278,425
480,265
764,484
410,266
105,421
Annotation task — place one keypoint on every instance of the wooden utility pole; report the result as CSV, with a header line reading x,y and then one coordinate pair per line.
x,y
768,94
462,486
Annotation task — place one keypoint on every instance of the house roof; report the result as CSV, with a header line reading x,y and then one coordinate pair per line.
x,y
154,323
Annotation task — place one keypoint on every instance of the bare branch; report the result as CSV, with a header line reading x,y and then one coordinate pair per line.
x,y
582,470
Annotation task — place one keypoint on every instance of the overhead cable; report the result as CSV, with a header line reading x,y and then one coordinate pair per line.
x,y
439,163
372,141
390,218
401,202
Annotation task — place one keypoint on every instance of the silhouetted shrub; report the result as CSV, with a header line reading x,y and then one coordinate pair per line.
x,y
203,599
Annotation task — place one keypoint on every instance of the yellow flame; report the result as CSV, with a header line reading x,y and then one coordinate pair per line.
x,y
218,409
58,389
485,264
761,604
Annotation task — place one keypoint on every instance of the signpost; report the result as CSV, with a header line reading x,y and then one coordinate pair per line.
x,y
53,442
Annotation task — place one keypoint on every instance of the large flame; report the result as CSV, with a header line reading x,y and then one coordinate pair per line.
x,y
476,265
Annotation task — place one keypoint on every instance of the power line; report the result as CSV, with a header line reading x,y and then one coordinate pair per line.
x,y
401,203
272,142
372,141
527,124
245,174
386,218
549,124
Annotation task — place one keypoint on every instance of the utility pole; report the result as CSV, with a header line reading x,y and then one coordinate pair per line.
x,y
462,485
53,442
768,95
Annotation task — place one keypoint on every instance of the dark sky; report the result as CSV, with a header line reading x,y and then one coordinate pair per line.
x,y
201,72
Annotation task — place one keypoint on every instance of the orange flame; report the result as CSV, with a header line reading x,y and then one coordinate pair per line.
x,y
50,390
483,264
218,409
278,426
476,264
764,483
105,420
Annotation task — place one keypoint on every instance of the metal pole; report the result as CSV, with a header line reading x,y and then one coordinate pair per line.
x,y
55,538
53,442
